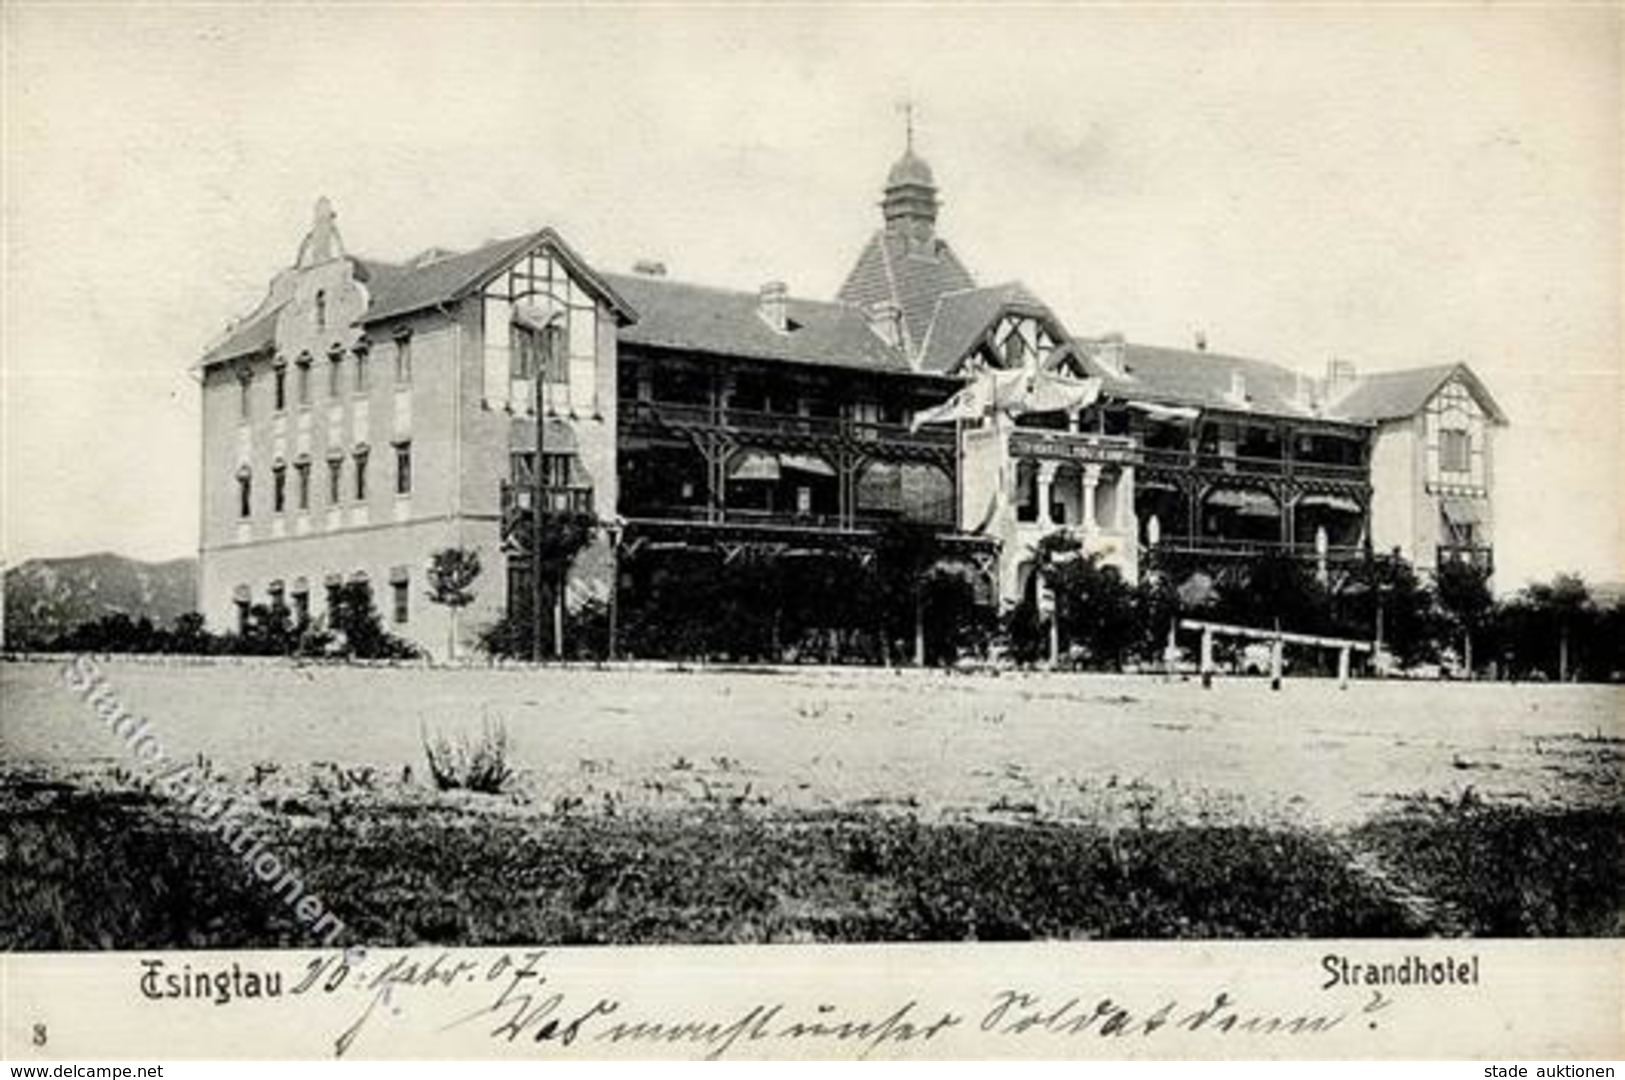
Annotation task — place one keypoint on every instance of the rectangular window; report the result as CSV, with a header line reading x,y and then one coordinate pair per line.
x,y
245,397
362,380
556,355
242,617
361,476
557,469
279,488
1454,448
402,594
403,360
523,352
335,374
279,384
301,607
302,382
245,495
301,471
403,468
335,481
522,466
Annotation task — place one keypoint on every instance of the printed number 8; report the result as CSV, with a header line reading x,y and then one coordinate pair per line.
x,y
39,1035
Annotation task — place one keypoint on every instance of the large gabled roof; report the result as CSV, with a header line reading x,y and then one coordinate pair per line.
x,y
1207,380
1392,395
725,322
254,334
911,274
396,289
402,289
961,318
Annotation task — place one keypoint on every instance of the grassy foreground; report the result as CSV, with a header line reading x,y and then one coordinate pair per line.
x,y
83,868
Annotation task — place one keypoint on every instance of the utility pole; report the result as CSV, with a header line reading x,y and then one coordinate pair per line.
x,y
538,496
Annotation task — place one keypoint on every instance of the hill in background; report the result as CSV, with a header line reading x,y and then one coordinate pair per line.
x,y
48,597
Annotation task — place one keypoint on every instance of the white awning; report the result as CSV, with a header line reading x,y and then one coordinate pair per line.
x,y
558,437
1340,503
1246,503
753,465
807,463
1462,511
1170,413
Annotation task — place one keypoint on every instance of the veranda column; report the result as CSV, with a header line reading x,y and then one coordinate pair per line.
x,y
1125,500
1091,480
1045,478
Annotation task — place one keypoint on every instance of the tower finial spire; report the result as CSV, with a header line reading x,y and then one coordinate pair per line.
x,y
910,205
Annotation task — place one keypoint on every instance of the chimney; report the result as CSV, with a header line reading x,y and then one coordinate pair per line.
x,y
1112,352
649,268
1238,387
886,320
774,305
1303,392
1340,377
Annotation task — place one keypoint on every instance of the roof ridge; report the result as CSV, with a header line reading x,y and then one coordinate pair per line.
x,y
910,353
1410,371
727,290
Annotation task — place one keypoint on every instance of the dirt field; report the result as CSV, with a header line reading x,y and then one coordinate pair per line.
x,y
652,806
1065,748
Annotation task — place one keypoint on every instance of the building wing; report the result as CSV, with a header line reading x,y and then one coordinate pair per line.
x,y
1393,395
726,322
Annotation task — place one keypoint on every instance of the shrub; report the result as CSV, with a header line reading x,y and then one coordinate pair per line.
x,y
354,620
470,764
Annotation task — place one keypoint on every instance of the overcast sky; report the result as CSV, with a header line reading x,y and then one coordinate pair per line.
x,y
1396,187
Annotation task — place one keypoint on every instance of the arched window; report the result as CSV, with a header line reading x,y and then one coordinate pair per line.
x,y
279,487
360,455
321,309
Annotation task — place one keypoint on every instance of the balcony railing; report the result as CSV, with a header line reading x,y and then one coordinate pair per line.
x,y
1476,556
1242,465
521,497
768,425
776,519
1226,546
